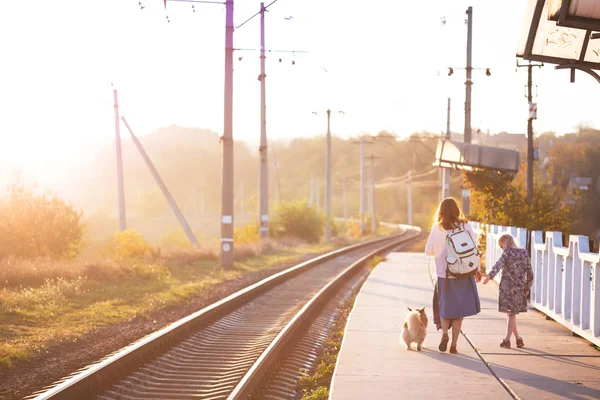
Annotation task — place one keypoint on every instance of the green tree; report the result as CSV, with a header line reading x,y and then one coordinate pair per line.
x,y
576,155
500,198
297,219
494,197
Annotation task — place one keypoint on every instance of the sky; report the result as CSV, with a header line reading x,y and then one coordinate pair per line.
x,y
383,62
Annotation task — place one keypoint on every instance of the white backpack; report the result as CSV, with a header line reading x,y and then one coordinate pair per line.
x,y
462,259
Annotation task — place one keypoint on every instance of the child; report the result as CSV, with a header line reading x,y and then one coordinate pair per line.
x,y
517,277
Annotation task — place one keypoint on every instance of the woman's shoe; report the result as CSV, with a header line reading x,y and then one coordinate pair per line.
x,y
505,343
453,349
444,343
520,343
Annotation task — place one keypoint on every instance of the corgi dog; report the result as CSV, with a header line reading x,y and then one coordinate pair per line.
x,y
415,328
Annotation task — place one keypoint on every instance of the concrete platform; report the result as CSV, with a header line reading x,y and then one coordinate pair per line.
x,y
373,364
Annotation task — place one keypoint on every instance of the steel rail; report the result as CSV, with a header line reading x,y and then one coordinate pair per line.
x,y
92,379
253,378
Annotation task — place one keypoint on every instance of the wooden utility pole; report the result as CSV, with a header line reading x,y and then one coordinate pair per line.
x,y
264,165
530,118
227,245
328,215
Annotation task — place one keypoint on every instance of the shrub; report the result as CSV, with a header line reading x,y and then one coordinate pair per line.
x,y
128,244
321,393
33,225
337,228
353,229
368,223
322,376
246,234
299,220
372,263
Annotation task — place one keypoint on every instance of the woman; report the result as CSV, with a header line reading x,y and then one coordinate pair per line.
x,y
517,277
456,297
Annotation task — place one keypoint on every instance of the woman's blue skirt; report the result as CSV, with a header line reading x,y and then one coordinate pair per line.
x,y
458,298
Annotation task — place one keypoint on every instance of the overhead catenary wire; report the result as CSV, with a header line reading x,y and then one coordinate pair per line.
x,y
199,1
393,181
255,15
404,178
272,51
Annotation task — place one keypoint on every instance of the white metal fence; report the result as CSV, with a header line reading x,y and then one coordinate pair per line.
x,y
566,284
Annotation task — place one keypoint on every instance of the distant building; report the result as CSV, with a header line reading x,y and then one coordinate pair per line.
x,y
581,183
505,140
588,225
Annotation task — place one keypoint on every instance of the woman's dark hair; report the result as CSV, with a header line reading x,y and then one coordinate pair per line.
x,y
449,215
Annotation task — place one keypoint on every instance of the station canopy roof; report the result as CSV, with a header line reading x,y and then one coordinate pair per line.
x,y
563,32
466,156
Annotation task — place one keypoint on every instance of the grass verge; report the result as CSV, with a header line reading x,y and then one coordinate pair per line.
x,y
316,386
63,310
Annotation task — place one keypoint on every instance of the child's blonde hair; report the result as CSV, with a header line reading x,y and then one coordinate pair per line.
x,y
509,240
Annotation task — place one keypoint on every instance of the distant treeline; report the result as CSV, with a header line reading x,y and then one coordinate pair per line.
x,y
189,161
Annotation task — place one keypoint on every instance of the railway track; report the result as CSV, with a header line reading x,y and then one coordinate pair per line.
x,y
235,348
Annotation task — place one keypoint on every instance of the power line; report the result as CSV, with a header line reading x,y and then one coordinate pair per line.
x,y
404,178
199,1
273,51
258,13
187,1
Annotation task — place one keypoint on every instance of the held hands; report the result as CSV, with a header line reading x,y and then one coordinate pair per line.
x,y
486,279
478,276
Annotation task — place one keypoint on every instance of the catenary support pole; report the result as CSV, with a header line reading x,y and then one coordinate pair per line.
x,y
410,197
469,70
446,188
468,83
362,192
227,245
328,181
373,217
362,186
328,216
345,199
264,164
